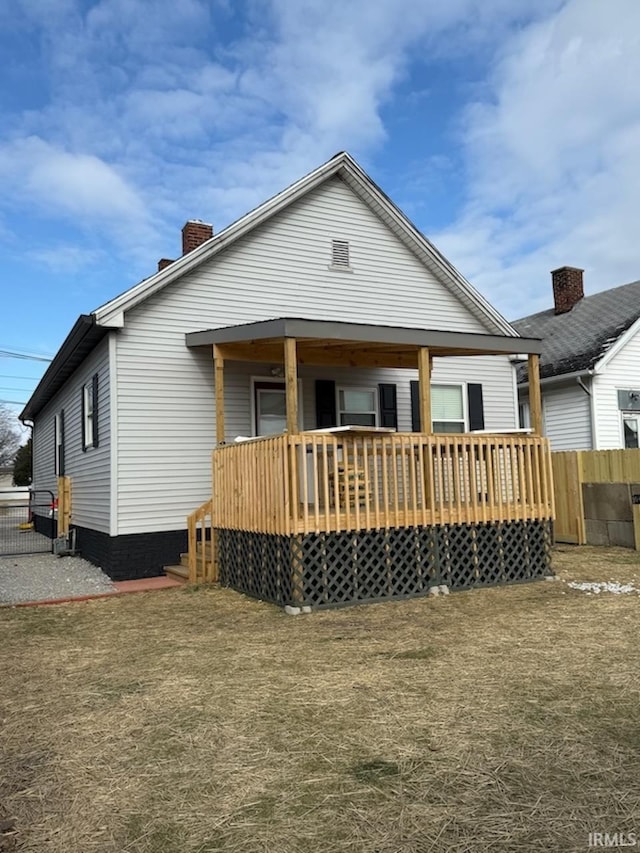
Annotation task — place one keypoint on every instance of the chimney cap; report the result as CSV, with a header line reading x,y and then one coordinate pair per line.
x,y
567,267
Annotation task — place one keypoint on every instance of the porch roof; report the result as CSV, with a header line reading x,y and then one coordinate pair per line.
x,y
330,342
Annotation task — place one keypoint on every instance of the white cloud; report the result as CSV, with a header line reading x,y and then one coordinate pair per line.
x,y
66,259
76,184
156,115
553,155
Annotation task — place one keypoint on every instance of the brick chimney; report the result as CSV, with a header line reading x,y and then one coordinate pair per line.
x,y
194,234
568,289
163,263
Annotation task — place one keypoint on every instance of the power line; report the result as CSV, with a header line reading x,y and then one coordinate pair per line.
x,y
10,354
21,390
16,376
13,402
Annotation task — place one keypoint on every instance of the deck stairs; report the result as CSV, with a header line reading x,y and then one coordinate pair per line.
x,y
180,572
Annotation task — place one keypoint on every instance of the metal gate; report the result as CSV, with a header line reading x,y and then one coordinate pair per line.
x,y
17,531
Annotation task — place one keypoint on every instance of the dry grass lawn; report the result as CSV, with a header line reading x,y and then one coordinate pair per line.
x,y
193,721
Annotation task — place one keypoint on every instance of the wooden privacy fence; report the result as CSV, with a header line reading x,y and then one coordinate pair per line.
x,y
319,482
569,523
574,468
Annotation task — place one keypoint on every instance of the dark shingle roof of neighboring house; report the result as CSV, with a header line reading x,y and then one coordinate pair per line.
x,y
577,340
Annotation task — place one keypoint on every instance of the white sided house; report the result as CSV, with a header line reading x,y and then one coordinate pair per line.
x,y
130,409
589,365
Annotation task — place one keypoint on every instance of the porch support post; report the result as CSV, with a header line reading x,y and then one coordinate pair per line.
x,y
218,368
424,375
291,377
535,397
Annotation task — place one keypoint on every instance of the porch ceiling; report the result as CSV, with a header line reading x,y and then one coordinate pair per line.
x,y
323,342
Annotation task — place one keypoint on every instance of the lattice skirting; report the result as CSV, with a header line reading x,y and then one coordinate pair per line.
x,y
331,569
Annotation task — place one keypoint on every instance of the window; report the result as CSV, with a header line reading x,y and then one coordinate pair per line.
x,y
357,406
270,408
90,413
340,254
630,429
447,408
58,428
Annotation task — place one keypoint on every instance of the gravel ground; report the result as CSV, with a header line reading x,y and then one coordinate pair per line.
x,y
39,577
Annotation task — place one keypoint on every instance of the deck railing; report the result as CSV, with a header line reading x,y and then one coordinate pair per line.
x,y
201,539
314,482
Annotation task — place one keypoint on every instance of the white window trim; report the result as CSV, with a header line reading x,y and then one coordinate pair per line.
x,y
627,415
369,389
465,403
89,411
272,380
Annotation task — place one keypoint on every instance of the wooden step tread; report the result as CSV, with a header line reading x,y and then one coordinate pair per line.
x,y
178,572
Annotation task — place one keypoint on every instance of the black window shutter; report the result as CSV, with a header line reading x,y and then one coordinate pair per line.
x,y
326,415
94,393
415,406
476,407
61,462
388,405
82,418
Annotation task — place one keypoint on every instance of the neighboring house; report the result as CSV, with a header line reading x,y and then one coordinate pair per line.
x,y
8,492
589,366
127,407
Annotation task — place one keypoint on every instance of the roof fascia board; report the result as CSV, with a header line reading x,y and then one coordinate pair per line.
x,y
362,333
624,339
130,298
84,328
559,379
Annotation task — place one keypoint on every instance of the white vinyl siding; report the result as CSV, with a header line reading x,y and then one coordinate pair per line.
x,y
165,396
566,415
621,373
89,470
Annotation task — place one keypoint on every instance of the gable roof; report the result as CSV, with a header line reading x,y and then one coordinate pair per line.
x,y
577,341
345,167
111,315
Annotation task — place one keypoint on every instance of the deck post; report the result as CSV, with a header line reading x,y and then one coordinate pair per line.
x,y
424,375
291,375
218,366
535,397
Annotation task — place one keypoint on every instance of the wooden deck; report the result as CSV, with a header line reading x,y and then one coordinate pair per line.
x,y
319,482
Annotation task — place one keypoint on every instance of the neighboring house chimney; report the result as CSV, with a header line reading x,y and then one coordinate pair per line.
x,y
568,289
194,234
163,263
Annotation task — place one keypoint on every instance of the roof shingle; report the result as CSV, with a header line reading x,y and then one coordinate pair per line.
x,y
577,340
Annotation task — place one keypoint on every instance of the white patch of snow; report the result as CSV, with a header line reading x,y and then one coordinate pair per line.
x,y
605,586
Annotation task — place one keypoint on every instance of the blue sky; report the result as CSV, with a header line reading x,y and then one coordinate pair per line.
x,y
508,130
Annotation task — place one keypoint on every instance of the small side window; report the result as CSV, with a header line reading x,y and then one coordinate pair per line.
x,y
630,430
58,428
90,413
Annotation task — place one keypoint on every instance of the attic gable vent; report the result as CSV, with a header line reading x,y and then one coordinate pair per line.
x,y
340,254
